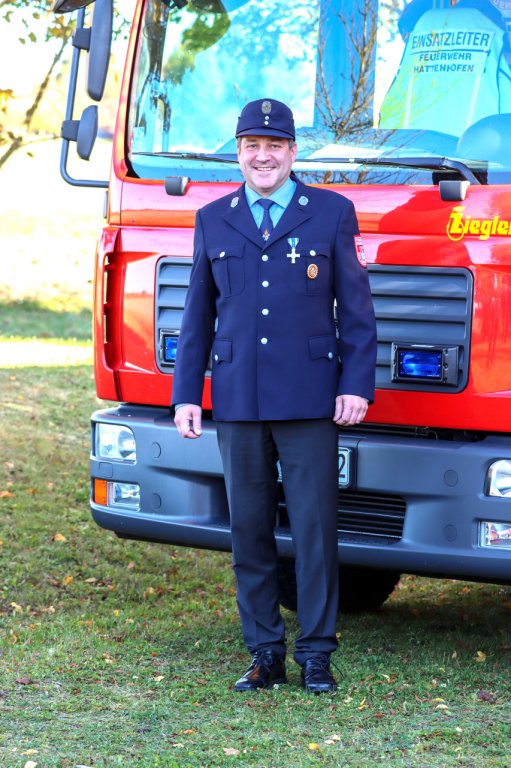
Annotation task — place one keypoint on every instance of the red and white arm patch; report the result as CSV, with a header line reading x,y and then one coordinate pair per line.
x,y
359,248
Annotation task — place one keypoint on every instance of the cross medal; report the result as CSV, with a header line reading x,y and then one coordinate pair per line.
x,y
293,242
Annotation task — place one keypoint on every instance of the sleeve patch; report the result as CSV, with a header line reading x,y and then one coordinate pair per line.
x,y
359,247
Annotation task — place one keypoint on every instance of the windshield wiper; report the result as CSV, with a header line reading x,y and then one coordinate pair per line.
x,y
207,158
429,163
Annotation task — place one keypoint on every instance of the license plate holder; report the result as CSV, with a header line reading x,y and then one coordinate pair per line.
x,y
346,466
346,476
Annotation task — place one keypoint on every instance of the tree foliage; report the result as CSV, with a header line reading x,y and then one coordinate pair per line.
x,y
34,23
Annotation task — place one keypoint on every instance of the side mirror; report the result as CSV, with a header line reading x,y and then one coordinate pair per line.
x,y
67,6
97,40
83,131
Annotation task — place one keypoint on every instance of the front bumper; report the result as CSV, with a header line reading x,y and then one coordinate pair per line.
x,y
435,488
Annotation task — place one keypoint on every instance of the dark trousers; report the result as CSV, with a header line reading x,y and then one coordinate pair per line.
x,y
307,450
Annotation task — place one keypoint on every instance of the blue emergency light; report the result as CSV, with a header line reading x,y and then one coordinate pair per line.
x,y
425,363
420,364
168,346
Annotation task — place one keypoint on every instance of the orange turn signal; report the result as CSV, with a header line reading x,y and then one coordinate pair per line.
x,y
100,492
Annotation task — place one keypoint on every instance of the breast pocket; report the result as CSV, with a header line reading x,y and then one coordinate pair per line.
x,y
228,269
311,274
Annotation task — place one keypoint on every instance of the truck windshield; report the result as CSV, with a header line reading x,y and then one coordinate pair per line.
x,y
367,80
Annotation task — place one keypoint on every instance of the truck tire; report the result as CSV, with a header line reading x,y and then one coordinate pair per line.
x,y
360,589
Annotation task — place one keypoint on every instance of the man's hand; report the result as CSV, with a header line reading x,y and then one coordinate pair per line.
x,y
350,409
188,420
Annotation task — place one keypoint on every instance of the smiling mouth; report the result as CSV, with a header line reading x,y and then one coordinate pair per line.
x,y
264,168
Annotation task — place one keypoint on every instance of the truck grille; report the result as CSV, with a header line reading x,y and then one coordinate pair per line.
x,y
421,305
413,305
371,514
172,279
362,515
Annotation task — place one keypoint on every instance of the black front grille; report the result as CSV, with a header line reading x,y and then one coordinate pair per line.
x,y
371,514
362,515
421,305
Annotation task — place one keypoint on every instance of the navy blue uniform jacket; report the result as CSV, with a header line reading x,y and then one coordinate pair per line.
x,y
268,323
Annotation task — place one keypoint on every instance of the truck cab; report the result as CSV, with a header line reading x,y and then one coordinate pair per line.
x,y
403,107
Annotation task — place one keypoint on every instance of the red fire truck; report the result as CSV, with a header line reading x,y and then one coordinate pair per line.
x,y
405,108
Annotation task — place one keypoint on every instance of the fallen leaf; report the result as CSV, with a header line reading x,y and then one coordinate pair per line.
x,y
483,695
30,764
6,495
59,537
16,608
24,681
480,657
313,746
67,580
230,751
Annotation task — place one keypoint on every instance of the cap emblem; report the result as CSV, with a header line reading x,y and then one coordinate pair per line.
x,y
266,107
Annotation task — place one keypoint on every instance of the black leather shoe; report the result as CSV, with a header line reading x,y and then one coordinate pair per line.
x,y
267,669
316,675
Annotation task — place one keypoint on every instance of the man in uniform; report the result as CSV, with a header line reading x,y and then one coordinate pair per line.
x,y
270,261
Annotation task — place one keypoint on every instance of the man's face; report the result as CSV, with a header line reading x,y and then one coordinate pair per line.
x,y
265,162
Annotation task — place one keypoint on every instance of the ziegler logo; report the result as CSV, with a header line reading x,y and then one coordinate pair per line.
x,y
458,226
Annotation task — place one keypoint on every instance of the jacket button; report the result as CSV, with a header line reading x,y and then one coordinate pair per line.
x,y
265,283
265,311
264,257
216,358
264,340
330,355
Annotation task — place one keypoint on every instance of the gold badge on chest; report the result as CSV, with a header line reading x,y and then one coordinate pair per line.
x,y
312,271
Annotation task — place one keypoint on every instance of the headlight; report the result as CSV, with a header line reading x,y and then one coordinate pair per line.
x,y
498,479
116,443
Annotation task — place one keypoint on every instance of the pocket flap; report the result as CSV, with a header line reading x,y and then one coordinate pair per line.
x,y
317,249
323,346
221,254
222,351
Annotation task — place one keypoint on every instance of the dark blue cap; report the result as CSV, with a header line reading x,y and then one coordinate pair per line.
x,y
266,117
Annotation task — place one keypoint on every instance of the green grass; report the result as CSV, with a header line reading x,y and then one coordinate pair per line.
x,y
124,653
116,653
25,318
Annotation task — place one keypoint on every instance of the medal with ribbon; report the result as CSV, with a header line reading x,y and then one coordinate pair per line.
x,y
293,242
